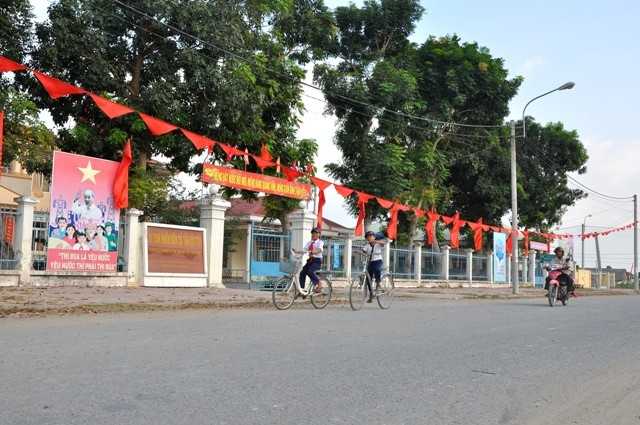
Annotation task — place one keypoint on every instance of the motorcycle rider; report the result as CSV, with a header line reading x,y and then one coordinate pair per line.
x,y
562,265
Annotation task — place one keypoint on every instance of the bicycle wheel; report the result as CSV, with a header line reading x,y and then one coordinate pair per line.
x,y
357,292
385,291
284,292
320,300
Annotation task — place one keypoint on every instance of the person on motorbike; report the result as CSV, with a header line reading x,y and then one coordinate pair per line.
x,y
561,264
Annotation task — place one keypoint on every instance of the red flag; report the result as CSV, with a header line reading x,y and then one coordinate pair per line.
x,y
156,127
430,227
265,154
55,87
477,233
392,228
309,169
121,182
454,233
200,142
384,203
262,164
1,126
7,65
363,198
322,185
342,190
112,109
290,173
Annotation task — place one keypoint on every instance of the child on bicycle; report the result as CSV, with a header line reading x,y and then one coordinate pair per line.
x,y
373,248
314,247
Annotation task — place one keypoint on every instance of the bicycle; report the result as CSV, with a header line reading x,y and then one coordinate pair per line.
x,y
358,288
287,287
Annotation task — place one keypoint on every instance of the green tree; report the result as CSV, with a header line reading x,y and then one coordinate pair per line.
x,y
26,138
362,89
236,83
462,83
396,104
15,30
545,158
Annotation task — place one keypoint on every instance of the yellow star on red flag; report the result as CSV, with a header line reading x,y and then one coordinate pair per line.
x,y
88,173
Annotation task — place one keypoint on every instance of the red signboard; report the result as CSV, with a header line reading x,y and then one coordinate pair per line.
x,y
256,182
175,249
9,224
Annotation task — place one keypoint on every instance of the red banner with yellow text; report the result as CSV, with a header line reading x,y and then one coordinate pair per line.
x,y
256,182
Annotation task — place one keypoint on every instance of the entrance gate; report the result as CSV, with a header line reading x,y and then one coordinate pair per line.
x,y
268,247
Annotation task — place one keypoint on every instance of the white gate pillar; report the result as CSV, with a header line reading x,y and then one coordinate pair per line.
x,y
348,253
302,221
212,213
532,266
445,263
133,248
23,236
418,262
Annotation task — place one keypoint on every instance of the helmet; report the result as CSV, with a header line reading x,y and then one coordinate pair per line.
x,y
369,233
315,230
558,248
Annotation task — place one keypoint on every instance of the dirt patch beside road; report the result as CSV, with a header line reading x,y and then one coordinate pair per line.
x,y
30,301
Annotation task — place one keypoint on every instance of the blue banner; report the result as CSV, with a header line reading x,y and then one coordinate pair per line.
x,y
499,257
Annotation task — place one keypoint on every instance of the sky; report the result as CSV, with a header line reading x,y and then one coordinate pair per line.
x,y
550,43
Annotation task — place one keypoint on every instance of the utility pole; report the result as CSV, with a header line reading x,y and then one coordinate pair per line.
x,y
635,242
599,264
514,211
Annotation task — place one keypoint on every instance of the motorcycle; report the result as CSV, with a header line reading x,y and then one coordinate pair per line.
x,y
557,291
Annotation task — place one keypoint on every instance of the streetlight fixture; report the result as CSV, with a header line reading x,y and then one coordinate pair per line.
x,y
514,186
583,227
565,86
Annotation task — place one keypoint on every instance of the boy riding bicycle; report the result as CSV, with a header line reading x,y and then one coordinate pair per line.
x,y
373,248
315,248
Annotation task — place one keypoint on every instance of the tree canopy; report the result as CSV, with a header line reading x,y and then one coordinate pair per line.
x,y
227,70
425,124
420,123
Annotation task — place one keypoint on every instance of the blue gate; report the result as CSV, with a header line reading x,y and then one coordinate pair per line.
x,y
268,247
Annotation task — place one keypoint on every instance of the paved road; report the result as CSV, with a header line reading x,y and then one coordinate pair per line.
x,y
425,360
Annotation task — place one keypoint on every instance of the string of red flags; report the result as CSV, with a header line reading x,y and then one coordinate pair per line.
x,y
56,89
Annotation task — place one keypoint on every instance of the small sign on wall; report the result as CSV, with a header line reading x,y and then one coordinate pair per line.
x,y
174,256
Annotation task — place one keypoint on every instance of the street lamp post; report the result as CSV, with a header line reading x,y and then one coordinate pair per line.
x,y
583,228
514,187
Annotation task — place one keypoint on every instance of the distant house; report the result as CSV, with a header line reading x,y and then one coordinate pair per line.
x,y
621,275
15,182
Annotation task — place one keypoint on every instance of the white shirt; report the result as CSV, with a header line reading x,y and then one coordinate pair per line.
x,y
92,212
377,251
317,244
561,262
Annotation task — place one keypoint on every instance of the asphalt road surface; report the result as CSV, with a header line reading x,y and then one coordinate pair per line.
x,y
423,361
